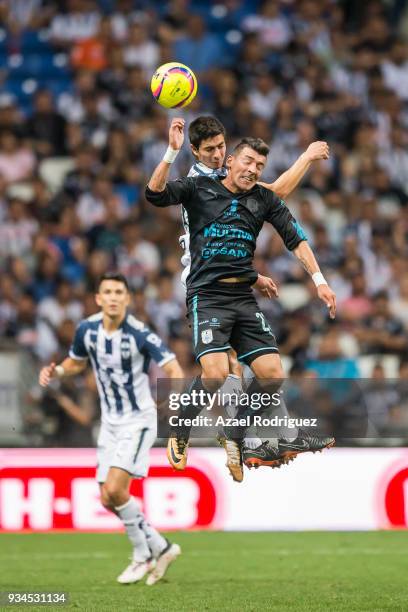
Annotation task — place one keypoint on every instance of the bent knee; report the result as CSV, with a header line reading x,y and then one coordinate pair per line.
x,y
106,500
112,496
214,377
268,369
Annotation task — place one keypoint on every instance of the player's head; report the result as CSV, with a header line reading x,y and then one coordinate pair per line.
x,y
246,163
113,295
207,140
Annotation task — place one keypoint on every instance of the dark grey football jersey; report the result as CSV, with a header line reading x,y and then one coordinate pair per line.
x,y
224,226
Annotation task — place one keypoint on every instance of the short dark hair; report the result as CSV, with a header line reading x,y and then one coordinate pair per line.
x,y
113,276
204,127
257,144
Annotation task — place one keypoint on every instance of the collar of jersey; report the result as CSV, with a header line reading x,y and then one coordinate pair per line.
x,y
221,172
110,335
240,193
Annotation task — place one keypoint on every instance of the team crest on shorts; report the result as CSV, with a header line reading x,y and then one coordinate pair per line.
x,y
206,336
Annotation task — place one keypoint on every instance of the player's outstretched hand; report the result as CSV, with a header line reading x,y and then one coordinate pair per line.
x,y
176,133
329,298
318,150
46,375
265,285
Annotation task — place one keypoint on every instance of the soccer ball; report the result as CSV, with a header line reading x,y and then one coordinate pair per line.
x,y
174,85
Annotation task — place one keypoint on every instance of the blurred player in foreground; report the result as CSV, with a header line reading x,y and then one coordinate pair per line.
x,y
207,137
225,216
120,348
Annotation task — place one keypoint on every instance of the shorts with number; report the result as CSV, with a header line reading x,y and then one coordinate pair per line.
x,y
126,446
227,316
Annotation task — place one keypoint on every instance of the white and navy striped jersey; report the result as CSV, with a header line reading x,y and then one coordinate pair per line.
x,y
197,169
120,361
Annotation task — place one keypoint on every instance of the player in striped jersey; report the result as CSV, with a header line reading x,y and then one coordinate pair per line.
x,y
120,349
207,140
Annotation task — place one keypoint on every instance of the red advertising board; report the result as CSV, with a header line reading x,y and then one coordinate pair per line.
x,y
55,489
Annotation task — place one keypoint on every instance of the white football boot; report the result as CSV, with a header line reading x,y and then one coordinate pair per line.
x,y
167,557
136,571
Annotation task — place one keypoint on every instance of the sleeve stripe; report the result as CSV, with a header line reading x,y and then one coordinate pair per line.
x,y
166,360
77,357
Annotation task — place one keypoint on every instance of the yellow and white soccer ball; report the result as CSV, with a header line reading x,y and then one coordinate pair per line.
x,y
174,85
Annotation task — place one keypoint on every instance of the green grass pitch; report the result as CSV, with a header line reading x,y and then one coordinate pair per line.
x,y
305,571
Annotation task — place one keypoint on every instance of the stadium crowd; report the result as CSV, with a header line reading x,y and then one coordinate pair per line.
x,y
80,134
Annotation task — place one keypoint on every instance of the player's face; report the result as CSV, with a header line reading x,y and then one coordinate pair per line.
x,y
211,151
245,168
113,298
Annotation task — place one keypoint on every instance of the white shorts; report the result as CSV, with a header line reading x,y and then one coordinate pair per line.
x,y
126,447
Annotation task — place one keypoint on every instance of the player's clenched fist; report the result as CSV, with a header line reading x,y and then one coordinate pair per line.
x,y
318,150
46,375
328,296
176,133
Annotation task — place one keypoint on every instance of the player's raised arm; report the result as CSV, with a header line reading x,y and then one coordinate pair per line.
x,y
289,180
159,191
69,367
158,180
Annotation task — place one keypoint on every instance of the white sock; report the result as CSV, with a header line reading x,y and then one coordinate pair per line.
x,y
132,519
156,542
232,388
252,442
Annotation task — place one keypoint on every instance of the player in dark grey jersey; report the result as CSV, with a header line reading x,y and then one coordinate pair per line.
x,y
225,217
207,141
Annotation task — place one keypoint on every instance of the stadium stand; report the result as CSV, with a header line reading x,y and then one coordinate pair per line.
x,y
71,203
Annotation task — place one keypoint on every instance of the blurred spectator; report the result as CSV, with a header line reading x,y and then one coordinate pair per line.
x,y
69,102
68,413
91,53
264,97
271,25
358,305
16,161
46,127
399,305
122,17
92,206
331,362
79,21
381,332
380,396
395,69
164,311
25,14
55,309
136,258
80,179
294,336
17,230
198,47
10,115
140,50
